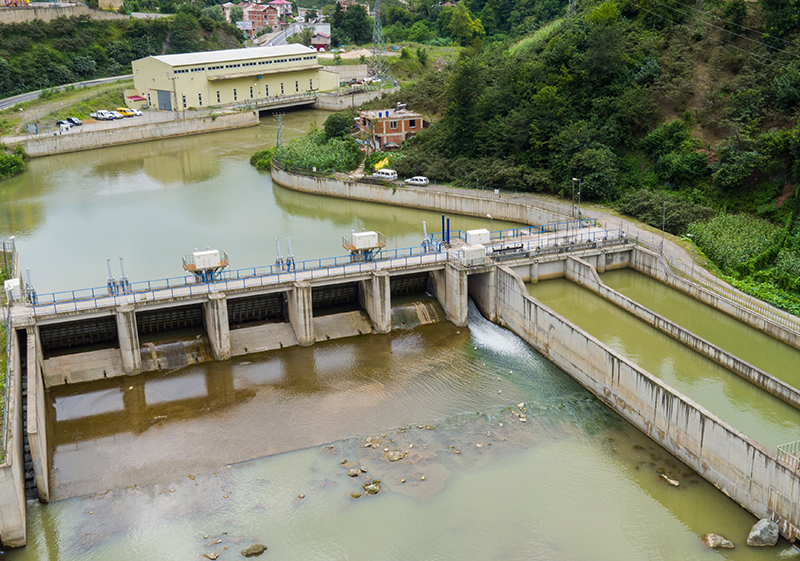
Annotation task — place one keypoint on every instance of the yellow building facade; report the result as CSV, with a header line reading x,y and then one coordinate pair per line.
x,y
234,76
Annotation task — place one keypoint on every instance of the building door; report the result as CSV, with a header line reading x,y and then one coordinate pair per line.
x,y
164,102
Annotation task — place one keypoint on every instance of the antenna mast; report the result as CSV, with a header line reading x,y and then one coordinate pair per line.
x,y
379,64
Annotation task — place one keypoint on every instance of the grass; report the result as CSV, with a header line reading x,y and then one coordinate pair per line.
x,y
73,102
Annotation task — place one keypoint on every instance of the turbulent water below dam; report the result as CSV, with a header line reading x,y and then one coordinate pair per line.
x,y
504,456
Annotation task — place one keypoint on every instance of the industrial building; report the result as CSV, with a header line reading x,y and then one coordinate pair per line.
x,y
235,76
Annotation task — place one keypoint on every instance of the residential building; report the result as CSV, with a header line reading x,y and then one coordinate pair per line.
x,y
390,126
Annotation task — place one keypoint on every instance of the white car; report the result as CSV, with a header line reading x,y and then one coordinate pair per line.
x,y
136,113
116,115
418,180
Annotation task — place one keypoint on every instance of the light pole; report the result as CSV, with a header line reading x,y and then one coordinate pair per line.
x,y
492,225
694,250
663,221
574,179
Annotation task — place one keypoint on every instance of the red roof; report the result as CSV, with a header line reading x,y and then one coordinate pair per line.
x,y
278,2
136,98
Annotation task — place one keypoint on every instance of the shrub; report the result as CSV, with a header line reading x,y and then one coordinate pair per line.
x,y
10,164
316,151
655,207
734,240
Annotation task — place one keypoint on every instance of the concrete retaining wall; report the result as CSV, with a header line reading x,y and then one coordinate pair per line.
x,y
18,15
333,102
650,264
737,465
88,140
416,197
583,274
12,469
37,421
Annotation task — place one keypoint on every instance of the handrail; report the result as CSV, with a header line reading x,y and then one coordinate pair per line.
x,y
745,300
92,298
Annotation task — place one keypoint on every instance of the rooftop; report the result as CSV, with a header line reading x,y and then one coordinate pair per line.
x,y
389,114
232,55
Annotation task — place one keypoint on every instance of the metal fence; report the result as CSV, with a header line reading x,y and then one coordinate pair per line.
x,y
789,454
745,300
514,233
89,298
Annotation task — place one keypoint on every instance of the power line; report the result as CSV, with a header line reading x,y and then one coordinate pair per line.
x,y
723,29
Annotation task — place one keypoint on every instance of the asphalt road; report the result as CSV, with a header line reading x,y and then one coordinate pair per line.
x,y
12,101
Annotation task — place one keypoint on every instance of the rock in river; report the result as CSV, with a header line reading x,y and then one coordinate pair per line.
x,y
764,533
715,541
354,472
372,487
395,455
254,550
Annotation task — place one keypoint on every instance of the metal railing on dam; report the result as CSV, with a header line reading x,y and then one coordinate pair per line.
x,y
251,277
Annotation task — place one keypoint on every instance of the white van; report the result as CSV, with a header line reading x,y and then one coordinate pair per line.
x,y
387,174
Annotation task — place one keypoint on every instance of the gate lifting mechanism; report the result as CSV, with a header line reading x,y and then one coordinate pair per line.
x,y
205,265
122,285
363,246
280,263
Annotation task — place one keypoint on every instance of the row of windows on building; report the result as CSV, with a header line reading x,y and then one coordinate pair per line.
x,y
260,63
252,94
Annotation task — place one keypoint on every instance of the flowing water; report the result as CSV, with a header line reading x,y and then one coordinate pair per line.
x,y
750,409
146,467
573,481
751,345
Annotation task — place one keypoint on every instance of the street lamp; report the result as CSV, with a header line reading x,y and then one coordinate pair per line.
x,y
492,225
694,250
574,179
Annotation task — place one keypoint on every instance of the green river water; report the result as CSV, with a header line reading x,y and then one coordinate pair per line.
x,y
751,345
147,466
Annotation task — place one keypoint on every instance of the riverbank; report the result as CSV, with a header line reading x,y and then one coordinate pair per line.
x,y
89,140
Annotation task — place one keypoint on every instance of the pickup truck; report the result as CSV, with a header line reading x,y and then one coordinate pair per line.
x,y
102,115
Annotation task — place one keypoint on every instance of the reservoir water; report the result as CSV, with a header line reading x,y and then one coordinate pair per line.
x,y
161,466
751,345
153,202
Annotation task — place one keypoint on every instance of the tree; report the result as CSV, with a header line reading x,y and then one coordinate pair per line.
x,y
356,24
236,14
339,124
304,37
311,15
463,27
214,13
422,56
420,32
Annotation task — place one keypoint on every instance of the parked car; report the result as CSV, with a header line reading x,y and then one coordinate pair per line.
x,y
417,180
74,121
137,113
388,174
63,124
124,111
116,115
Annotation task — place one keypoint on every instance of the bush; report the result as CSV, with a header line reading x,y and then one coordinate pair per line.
x,y
261,159
339,124
316,151
734,240
655,207
10,164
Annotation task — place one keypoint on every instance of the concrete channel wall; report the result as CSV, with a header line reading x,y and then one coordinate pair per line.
x,y
415,197
737,465
13,510
340,102
37,420
583,274
652,265
44,145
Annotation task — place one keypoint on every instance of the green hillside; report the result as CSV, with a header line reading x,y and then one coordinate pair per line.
x,y
36,55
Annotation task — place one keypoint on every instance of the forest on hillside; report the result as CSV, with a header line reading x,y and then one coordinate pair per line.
x,y
37,55
683,111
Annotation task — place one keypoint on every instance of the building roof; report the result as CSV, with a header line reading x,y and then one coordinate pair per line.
x,y
390,114
210,57
273,2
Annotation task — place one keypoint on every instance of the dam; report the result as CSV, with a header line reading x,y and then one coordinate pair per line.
x,y
168,327
530,489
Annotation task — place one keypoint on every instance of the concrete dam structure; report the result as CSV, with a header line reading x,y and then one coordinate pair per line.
x,y
80,337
